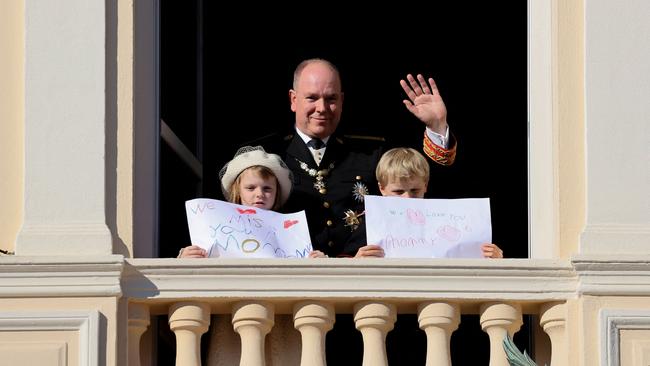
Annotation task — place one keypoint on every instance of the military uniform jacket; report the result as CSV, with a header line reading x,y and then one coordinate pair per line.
x,y
350,165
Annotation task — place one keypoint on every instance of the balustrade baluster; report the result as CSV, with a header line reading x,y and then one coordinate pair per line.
x,y
138,324
553,321
438,320
498,320
374,320
189,320
313,320
253,320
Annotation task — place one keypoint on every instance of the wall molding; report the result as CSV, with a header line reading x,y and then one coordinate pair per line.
x,y
613,275
84,322
612,321
38,276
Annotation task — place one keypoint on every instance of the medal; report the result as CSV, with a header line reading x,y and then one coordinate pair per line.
x,y
352,219
359,190
320,185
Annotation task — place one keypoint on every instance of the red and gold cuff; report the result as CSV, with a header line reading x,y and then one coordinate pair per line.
x,y
438,154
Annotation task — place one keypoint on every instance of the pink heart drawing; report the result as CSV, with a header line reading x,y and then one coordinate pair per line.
x,y
415,217
289,223
449,233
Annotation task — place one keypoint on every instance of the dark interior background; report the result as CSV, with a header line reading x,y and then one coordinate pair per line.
x,y
225,77
223,85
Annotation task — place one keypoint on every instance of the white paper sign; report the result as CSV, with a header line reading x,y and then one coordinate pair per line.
x,y
228,230
428,228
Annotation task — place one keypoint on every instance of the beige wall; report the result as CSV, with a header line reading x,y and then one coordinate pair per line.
x,y
569,105
11,121
43,348
40,341
588,328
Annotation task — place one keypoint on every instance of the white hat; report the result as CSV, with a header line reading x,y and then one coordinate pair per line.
x,y
249,156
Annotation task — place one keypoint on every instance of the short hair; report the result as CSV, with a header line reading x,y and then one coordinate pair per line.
x,y
264,173
301,66
401,163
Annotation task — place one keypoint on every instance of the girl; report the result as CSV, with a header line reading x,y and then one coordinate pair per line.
x,y
253,178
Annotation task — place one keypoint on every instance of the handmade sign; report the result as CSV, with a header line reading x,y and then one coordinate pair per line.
x,y
229,230
428,228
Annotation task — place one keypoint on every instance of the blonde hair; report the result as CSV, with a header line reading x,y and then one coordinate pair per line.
x,y
401,163
264,173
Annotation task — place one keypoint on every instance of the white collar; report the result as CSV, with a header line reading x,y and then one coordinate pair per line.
x,y
306,138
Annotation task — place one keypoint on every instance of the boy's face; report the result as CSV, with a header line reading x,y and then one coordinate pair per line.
x,y
409,188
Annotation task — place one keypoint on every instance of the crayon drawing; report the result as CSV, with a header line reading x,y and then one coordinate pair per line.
x,y
229,230
428,228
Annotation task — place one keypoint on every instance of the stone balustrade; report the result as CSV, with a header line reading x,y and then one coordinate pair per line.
x,y
374,319
252,293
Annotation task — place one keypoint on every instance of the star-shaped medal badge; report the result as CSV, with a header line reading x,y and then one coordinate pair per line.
x,y
352,219
359,190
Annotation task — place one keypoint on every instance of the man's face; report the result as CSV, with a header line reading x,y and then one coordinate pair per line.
x,y
408,188
317,100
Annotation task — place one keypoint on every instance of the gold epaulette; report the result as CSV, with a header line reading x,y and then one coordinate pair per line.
x,y
438,154
365,137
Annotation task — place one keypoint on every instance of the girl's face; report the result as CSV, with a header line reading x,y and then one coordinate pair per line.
x,y
256,191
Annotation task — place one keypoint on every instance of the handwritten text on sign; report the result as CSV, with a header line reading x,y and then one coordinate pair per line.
x,y
228,230
428,228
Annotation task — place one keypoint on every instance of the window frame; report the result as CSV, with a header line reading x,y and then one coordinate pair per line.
x,y
543,196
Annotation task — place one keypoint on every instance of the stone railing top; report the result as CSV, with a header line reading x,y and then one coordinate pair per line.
x,y
345,281
342,282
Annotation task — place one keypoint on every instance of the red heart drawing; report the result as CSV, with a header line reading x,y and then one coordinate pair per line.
x,y
246,211
289,223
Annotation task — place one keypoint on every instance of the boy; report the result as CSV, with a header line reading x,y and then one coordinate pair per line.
x,y
404,172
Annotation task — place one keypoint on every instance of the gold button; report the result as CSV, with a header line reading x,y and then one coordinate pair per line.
x,y
358,177
329,223
330,243
322,191
326,204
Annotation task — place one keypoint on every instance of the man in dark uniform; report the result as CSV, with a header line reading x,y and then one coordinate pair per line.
x,y
333,173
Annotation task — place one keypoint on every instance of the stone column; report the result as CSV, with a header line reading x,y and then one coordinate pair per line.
x,y
189,320
553,321
374,320
438,320
138,324
617,165
498,320
253,320
313,319
65,130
